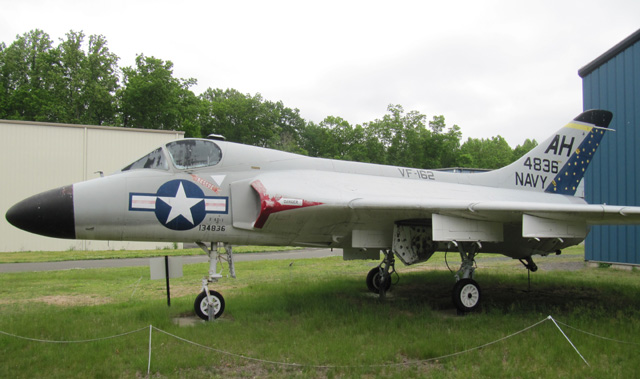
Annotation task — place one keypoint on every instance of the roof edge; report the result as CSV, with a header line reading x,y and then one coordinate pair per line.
x,y
103,127
602,59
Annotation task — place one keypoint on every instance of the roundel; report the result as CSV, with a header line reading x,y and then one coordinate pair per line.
x,y
180,205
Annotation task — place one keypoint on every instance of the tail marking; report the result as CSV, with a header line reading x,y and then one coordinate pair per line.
x,y
572,173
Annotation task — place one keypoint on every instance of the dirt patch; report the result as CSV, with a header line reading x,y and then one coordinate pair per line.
x,y
72,300
187,320
62,300
443,267
562,266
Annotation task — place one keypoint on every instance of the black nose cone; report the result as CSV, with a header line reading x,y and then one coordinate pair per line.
x,y
49,214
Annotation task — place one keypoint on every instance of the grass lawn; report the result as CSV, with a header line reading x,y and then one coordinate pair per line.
x,y
318,313
75,255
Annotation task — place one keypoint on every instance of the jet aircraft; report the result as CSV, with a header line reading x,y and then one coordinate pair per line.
x,y
218,193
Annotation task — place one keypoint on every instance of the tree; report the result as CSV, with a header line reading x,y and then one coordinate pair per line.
x,y
61,84
4,90
445,147
70,82
29,67
151,98
521,150
404,139
490,153
251,119
399,138
314,140
340,138
441,145
88,80
235,116
288,126
101,83
394,132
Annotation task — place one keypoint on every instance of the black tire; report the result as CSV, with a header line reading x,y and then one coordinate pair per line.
x,y
466,295
202,309
373,281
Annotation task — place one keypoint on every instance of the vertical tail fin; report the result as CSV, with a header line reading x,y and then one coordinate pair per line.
x,y
558,164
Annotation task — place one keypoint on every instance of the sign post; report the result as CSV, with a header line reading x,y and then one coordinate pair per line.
x,y
165,268
166,274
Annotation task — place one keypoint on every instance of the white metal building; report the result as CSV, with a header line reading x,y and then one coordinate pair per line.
x,y
40,156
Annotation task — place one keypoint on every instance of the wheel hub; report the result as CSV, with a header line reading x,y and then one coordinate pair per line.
x,y
469,295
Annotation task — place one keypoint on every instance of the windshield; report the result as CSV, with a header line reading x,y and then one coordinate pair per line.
x,y
153,160
194,153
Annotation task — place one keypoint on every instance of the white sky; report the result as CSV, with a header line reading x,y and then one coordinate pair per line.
x,y
491,67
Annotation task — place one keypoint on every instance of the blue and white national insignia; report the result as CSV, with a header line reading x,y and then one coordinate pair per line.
x,y
178,204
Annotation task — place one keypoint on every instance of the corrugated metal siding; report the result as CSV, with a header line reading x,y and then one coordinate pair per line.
x,y
614,175
38,156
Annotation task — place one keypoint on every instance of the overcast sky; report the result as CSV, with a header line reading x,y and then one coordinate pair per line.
x,y
491,67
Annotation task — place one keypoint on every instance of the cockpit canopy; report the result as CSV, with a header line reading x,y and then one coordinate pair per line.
x,y
185,154
154,160
193,153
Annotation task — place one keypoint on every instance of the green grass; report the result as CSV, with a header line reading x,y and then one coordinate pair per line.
x,y
73,255
317,312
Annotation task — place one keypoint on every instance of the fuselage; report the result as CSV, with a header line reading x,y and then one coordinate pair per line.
x,y
252,195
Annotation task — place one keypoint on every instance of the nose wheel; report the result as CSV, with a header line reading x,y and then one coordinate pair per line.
x,y
202,304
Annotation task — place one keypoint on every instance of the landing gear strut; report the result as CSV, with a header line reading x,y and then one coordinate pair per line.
x,y
379,278
529,264
531,267
466,292
210,304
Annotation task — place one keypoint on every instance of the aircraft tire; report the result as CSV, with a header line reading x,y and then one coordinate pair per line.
x,y
373,281
201,306
466,295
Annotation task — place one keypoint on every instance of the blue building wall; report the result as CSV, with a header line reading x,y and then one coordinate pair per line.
x,y
612,82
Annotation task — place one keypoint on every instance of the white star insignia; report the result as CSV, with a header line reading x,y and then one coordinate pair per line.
x,y
180,205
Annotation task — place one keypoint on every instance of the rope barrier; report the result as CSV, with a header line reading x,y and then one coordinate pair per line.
x,y
356,366
149,364
77,341
464,351
565,336
597,336
228,353
151,328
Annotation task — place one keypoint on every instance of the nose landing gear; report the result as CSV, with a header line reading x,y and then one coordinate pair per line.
x,y
210,304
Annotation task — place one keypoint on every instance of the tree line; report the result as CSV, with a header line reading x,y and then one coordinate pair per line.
x,y
78,81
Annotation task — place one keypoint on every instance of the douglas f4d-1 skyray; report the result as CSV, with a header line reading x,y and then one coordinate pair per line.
x,y
223,193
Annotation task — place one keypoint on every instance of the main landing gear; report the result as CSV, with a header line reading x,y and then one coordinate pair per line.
x,y
210,304
379,278
466,293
